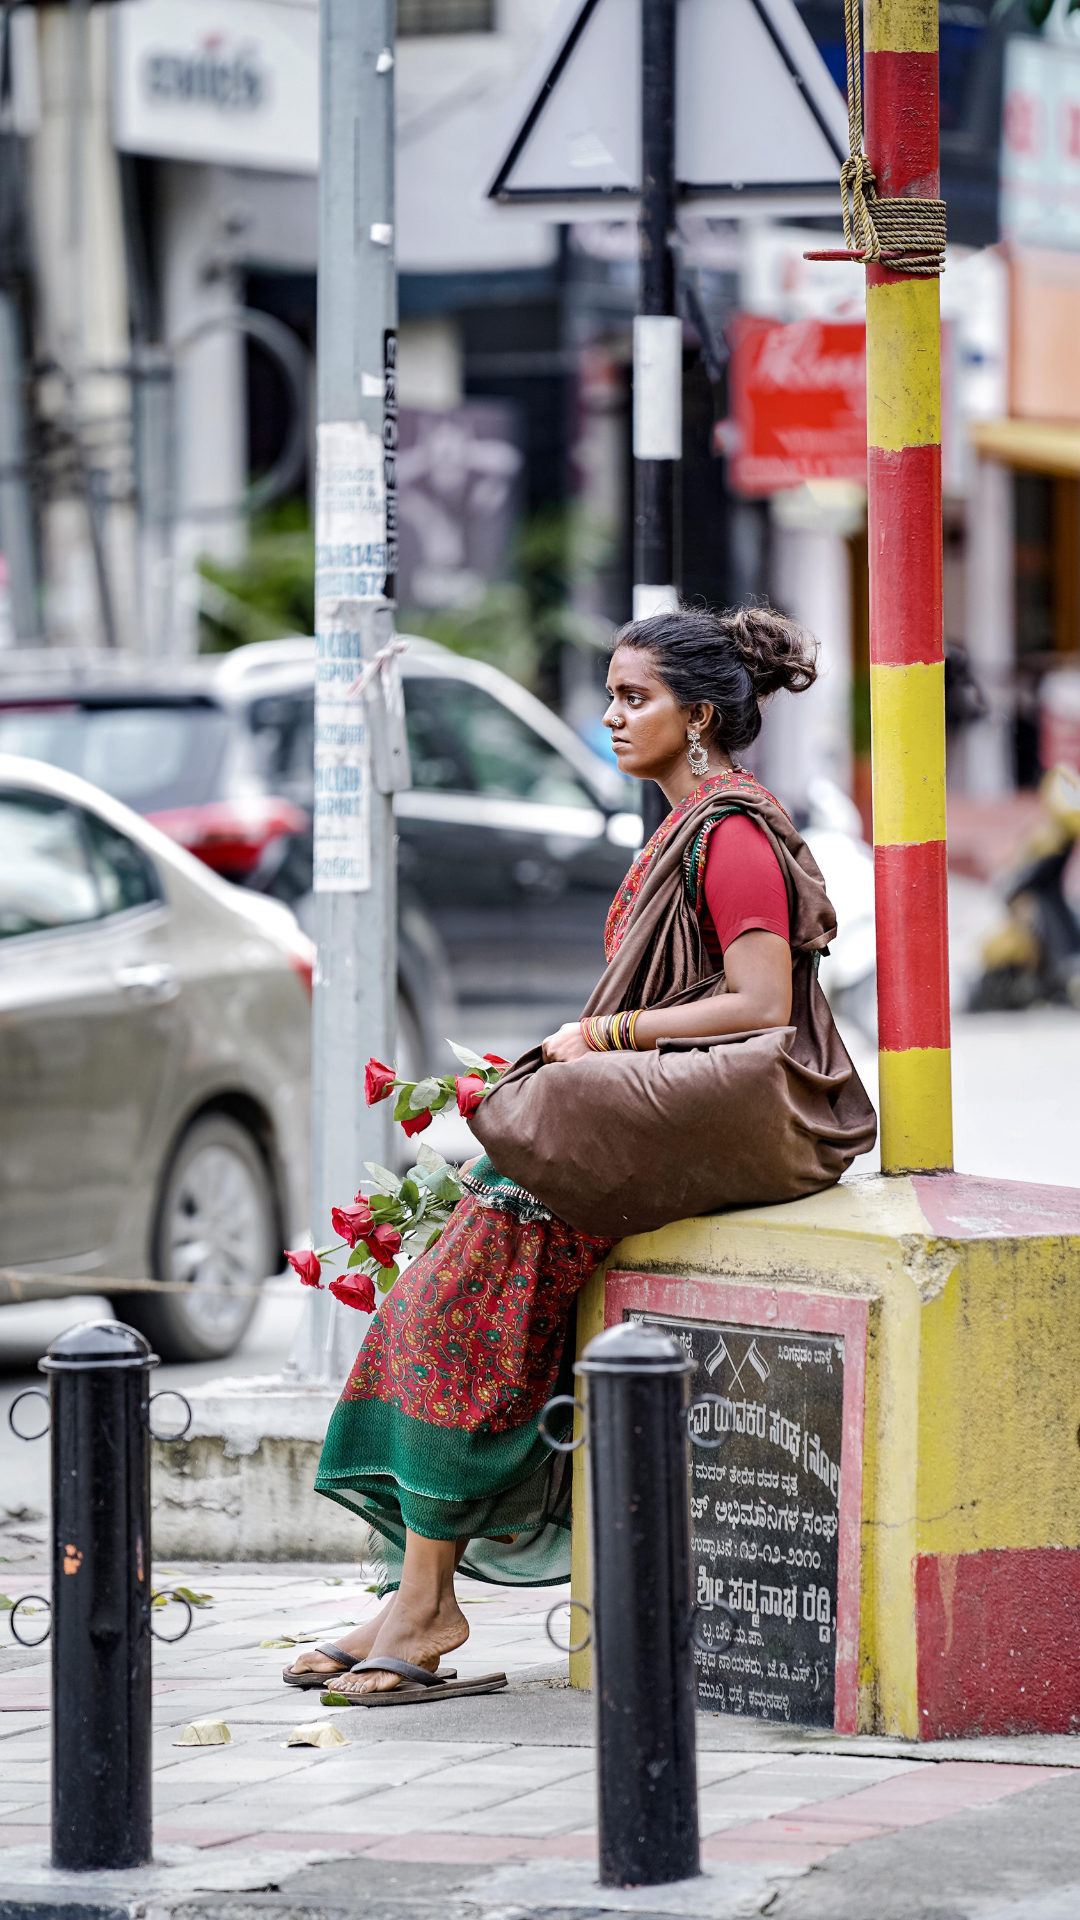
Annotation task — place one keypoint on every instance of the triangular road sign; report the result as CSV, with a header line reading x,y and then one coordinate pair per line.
x,y
758,114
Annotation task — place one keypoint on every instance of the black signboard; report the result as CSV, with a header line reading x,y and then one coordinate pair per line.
x,y
765,1516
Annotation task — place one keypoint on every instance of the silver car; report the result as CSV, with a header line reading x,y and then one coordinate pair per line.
x,y
155,1040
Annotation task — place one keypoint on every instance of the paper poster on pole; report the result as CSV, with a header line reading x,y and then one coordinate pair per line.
x,y
350,577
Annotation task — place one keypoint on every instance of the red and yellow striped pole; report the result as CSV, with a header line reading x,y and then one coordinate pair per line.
x,y
906,632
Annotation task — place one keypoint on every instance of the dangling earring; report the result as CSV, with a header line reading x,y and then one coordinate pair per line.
x,y
696,754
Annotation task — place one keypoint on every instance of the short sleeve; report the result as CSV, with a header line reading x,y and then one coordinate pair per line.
x,y
743,885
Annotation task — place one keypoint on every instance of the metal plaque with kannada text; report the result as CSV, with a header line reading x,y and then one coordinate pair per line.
x,y
765,1516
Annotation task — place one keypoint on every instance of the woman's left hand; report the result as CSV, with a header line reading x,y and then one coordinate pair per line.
x,y
567,1044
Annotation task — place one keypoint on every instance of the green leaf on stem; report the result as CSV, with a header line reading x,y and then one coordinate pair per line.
x,y
384,1280
410,1193
357,1257
433,1239
387,1182
403,1106
424,1094
427,1159
467,1057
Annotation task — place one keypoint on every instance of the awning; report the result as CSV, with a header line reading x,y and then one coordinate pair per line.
x,y
1038,446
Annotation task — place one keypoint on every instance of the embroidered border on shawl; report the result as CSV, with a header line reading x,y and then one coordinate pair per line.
x,y
622,907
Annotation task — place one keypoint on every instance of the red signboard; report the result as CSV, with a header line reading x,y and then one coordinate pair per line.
x,y
798,403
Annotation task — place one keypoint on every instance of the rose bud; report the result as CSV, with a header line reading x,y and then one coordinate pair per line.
x,y
471,1089
352,1222
355,1290
378,1082
305,1262
383,1243
496,1060
417,1122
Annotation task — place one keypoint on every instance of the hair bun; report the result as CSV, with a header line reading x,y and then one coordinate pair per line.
x,y
777,653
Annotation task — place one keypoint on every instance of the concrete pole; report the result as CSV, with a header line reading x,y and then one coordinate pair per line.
x,y
355,893
903,372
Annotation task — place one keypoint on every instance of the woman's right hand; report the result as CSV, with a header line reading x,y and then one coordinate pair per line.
x,y
568,1044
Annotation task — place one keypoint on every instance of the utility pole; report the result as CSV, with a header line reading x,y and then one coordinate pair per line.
x,y
657,344
355,893
906,629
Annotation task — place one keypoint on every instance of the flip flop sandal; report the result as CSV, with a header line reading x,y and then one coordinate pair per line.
x,y
308,1681
420,1686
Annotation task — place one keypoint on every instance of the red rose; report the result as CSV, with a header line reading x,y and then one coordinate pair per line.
x,y
305,1262
496,1060
352,1222
471,1089
383,1243
378,1082
417,1122
355,1290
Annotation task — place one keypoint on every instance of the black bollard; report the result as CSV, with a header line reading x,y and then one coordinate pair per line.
x,y
642,1606
101,1745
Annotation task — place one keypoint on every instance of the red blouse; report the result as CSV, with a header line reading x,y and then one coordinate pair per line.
x,y
743,886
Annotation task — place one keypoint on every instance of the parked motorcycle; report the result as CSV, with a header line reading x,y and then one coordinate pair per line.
x,y
1034,957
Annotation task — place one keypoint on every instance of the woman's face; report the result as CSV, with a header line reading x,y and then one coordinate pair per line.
x,y
648,727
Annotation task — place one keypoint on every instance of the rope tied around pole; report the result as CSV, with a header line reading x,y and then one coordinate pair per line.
x,y
905,235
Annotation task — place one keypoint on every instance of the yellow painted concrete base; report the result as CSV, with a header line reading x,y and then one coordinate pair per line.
x,y
972,1400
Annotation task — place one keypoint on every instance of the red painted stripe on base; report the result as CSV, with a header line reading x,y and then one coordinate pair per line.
x,y
912,946
904,519
998,1638
900,101
973,1206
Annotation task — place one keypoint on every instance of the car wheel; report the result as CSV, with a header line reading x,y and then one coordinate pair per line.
x,y
216,1233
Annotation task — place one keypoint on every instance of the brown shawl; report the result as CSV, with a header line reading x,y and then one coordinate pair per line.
x,y
621,1143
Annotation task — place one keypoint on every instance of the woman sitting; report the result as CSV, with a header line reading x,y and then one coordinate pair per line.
x,y
715,933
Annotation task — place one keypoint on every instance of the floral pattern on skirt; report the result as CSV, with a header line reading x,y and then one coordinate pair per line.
x,y
472,1334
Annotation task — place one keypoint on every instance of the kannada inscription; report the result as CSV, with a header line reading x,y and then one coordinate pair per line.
x,y
765,1516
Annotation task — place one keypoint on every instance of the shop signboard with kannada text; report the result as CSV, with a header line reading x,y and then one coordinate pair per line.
x,y
798,403
758,116
232,81
1040,144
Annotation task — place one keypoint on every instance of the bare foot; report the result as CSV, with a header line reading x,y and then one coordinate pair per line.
x,y
418,1631
359,1641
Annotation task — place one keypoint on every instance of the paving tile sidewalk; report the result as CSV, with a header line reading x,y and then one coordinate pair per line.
x,y
483,1806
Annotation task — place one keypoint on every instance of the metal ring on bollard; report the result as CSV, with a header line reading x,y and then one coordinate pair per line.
x,y
170,1639
30,1393
171,1393
561,1446
697,1440
16,1635
707,1646
578,1646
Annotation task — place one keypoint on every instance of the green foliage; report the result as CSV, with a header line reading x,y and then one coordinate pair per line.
x,y
519,625
270,593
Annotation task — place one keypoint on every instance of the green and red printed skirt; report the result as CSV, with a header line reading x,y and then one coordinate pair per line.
x,y
437,1427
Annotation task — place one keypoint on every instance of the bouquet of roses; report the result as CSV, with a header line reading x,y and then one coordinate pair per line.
x,y
403,1216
